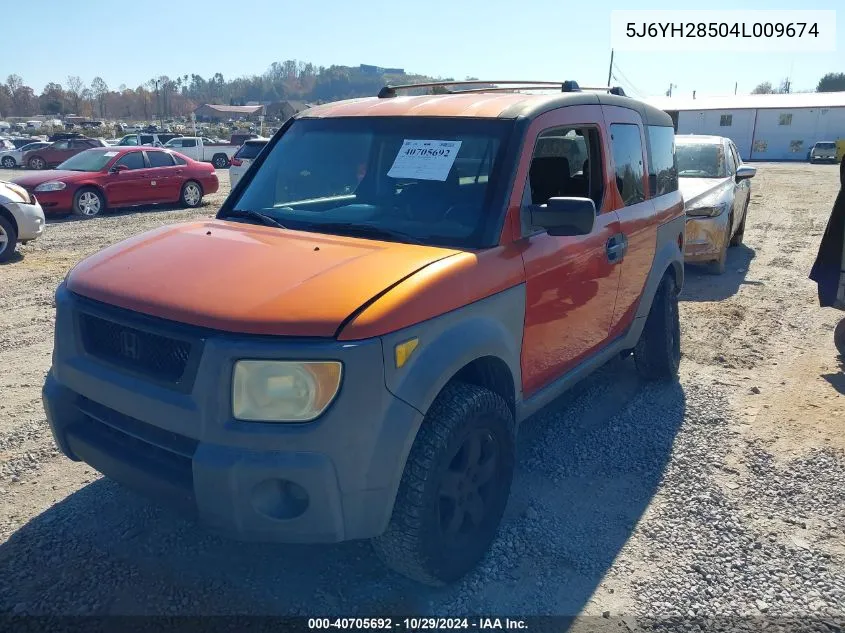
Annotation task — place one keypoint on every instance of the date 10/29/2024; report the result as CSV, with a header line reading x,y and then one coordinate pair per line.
x,y
416,624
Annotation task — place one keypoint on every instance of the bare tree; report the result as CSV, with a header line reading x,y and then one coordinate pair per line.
x,y
100,89
75,86
764,88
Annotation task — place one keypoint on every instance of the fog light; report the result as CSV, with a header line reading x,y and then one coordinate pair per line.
x,y
280,499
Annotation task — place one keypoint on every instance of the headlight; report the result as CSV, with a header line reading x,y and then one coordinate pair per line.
x,y
283,391
708,211
51,186
23,193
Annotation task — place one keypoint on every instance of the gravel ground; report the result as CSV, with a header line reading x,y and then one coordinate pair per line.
x,y
720,496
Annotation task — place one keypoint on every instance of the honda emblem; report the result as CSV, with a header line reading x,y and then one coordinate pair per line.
x,y
129,345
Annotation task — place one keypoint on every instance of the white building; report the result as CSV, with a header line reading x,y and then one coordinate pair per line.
x,y
763,127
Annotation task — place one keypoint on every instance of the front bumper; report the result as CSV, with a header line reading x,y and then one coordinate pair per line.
x,y
54,201
704,237
29,218
329,480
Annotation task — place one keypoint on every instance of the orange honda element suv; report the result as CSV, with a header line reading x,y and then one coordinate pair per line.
x,y
346,351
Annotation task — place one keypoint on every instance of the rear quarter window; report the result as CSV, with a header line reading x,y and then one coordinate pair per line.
x,y
662,168
627,148
250,150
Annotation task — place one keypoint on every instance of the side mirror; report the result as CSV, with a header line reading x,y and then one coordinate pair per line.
x,y
745,172
118,168
565,216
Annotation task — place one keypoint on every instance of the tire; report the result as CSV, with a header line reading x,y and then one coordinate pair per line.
x,y
719,265
9,162
736,240
220,161
36,162
191,194
658,352
418,543
838,337
88,202
8,239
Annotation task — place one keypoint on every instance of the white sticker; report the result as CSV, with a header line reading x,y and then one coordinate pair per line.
x,y
425,160
110,154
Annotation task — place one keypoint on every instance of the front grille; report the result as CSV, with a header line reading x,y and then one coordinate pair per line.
x,y
160,357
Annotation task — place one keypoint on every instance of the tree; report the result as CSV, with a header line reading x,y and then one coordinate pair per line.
x,y
74,91
52,99
831,82
100,89
764,88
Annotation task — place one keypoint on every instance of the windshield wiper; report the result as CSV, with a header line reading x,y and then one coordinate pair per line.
x,y
364,230
249,214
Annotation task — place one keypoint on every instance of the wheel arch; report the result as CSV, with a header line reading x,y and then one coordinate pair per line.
x,y
5,213
479,344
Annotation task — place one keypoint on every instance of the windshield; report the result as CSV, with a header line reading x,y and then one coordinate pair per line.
x,y
89,160
422,179
701,160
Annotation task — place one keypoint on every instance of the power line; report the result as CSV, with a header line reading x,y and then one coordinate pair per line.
x,y
628,81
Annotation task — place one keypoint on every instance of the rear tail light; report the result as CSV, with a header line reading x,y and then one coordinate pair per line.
x,y
235,162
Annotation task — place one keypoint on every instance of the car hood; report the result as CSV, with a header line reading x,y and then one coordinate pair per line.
x,y
696,190
245,278
49,175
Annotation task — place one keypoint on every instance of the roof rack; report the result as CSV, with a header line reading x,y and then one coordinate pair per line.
x,y
389,92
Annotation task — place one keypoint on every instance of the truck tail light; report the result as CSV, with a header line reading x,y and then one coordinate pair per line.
x,y
235,162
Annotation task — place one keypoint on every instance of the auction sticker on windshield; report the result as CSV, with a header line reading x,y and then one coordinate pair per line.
x,y
425,160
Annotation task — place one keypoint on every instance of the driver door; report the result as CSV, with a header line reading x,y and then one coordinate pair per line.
x,y
129,186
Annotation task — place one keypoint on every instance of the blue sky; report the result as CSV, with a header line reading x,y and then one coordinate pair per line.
x,y
492,39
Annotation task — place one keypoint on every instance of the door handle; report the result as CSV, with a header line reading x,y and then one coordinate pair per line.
x,y
616,247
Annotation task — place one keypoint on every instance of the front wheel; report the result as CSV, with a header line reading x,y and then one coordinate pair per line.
x,y
8,239
839,337
9,162
454,488
191,195
720,264
88,202
658,352
740,231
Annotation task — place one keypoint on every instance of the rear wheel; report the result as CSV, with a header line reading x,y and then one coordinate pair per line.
x,y
220,161
658,352
8,239
191,195
9,162
36,162
454,489
88,202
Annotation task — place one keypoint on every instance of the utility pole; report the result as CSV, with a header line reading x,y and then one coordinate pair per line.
x,y
669,92
736,85
610,69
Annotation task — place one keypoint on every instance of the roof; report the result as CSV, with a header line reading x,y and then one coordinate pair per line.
x,y
746,102
699,138
504,105
227,109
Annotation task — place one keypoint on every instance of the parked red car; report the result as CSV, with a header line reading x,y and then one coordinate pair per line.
x,y
97,179
58,152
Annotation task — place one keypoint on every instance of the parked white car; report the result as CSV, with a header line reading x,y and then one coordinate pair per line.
x,y
203,149
243,158
21,218
823,151
10,159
